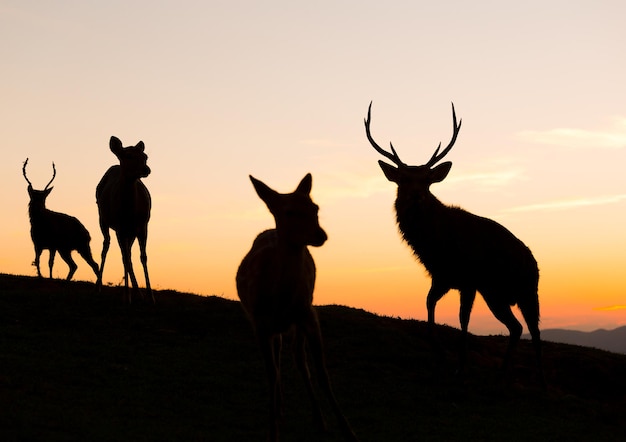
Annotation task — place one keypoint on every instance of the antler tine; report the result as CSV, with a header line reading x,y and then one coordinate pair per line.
x,y
54,174
455,132
393,156
24,173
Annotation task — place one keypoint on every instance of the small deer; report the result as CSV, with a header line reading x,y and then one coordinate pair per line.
x,y
275,285
461,250
55,231
124,205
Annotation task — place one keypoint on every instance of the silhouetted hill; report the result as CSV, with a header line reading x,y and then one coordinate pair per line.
x,y
609,340
76,366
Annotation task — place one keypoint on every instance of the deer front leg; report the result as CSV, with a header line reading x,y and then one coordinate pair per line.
x,y
436,292
50,261
105,248
36,261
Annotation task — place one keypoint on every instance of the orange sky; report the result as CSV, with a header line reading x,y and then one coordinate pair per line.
x,y
218,91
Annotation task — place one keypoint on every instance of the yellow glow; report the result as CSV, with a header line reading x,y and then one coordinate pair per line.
x,y
218,92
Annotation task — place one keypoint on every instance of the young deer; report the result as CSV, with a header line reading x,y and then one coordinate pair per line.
x,y
275,285
463,251
55,231
124,205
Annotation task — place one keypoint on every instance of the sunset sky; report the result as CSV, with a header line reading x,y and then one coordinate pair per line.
x,y
219,90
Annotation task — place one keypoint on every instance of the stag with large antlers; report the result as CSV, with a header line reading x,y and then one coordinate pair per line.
x,y
124,205
55,231
463,251
275,284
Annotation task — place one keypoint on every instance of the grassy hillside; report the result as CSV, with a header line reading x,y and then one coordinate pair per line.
x,y
76,365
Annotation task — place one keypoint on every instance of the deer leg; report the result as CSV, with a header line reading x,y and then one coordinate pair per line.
x,y
436,292
142,239
504,314
303,368
270,349
311,328
67,257
467,302
36,261
51,260
125,246
105,248
531,316
86,254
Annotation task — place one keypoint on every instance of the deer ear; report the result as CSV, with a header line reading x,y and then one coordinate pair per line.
x,y
440,172
48,190
267,194
115,145
305,185
391,172
141,146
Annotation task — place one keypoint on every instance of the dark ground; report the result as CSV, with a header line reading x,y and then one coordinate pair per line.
x,y
76,365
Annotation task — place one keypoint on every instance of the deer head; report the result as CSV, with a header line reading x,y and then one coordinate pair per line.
x,y
415,178
133,160
295,213
38,197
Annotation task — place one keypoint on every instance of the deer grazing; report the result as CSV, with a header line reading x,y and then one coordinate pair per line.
x,y
461,250
124,205
275,285
55,231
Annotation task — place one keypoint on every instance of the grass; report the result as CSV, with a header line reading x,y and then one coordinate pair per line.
x,y
77,365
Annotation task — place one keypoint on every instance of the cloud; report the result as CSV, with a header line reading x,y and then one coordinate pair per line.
x,y
569,204
610,308
499,178
612,138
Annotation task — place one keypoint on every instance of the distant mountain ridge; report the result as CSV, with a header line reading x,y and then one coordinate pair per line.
x,y
610,340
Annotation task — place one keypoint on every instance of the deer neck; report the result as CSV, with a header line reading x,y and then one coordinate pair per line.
x,y
419,218
36,210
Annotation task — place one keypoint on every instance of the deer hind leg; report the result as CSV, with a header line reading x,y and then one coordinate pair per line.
x,y
85,252
270,349
531,316
503,313
67,257
311,328
467,302
142,239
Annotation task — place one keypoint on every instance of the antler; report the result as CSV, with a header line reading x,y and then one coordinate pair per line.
x,y
393,156
54,174
24,173
455,128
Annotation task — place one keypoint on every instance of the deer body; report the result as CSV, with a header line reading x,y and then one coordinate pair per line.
x,y
275,283
463,251
124,205
56,232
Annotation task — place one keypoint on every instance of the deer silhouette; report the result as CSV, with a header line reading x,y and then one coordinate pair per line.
x,y
54,231
275,284
124,205
461,250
